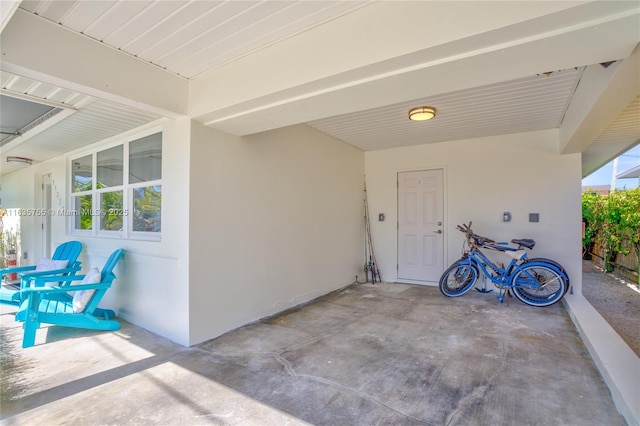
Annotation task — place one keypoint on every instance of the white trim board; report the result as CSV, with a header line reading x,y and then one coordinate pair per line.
x,y
617,363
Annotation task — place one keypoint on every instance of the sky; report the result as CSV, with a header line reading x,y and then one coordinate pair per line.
x,y
603,175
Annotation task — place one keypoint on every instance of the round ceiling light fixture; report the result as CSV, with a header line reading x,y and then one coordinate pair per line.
x,y
422,113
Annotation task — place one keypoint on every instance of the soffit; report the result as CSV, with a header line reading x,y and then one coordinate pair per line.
x,y
84,120
523,105
16,114
618,137
188,38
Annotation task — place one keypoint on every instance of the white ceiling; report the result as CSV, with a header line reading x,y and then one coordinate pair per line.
x,y
189,37
351,69
524,105
83,121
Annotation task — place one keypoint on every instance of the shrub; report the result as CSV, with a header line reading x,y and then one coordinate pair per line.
x,y
612,220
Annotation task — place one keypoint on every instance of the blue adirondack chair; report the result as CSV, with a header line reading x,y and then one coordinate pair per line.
x,y
10,292
54,305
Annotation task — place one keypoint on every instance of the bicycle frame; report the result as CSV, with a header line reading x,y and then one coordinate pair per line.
x,y
501,279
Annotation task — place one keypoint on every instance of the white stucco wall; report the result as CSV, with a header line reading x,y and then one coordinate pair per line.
x,y
152,285
252,226
518,173
276,219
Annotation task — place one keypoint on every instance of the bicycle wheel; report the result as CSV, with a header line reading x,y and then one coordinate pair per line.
x,y
538,284
558,266
458,279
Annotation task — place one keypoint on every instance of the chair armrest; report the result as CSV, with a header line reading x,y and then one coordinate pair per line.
x,y
64,289
39,278
17,269
40,281
33,275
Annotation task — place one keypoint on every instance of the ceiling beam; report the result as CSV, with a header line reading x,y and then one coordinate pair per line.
x,y
291,83
601,95
36,48
7,9
360,40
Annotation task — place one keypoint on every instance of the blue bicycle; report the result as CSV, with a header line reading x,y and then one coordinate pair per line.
x,y
536,282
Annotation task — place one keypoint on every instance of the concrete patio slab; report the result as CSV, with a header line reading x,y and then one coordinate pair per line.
x,y
127,377
368,354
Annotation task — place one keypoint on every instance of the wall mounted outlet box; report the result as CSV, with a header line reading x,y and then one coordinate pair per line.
x,y
534,217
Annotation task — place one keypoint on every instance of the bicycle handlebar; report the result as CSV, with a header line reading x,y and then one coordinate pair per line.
x,y
477,239
480,241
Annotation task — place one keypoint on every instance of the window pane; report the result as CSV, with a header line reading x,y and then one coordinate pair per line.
x,y
109,169
145,159
83,217
82,174
111,211
146,208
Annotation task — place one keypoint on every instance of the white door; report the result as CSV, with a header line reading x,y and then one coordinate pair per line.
x,y
420,225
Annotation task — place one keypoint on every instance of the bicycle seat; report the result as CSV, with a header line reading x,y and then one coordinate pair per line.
x,y
525,242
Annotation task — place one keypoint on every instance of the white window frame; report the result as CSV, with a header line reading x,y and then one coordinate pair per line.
x,y
140,235
97,222
72,213
126,188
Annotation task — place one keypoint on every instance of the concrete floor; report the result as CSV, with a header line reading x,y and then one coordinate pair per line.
x,y
389,354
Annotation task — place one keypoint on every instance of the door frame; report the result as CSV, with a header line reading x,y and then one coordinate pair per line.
x,y
43,222
445,215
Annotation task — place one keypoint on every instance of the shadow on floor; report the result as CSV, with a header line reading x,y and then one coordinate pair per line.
x,y
385,354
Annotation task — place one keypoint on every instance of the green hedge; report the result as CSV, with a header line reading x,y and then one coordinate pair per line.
x,y
611,220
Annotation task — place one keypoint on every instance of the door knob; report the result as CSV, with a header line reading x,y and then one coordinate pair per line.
x,y
439,231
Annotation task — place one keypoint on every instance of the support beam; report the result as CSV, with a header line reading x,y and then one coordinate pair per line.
x,y
291,83
39,49
602,94
7,9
